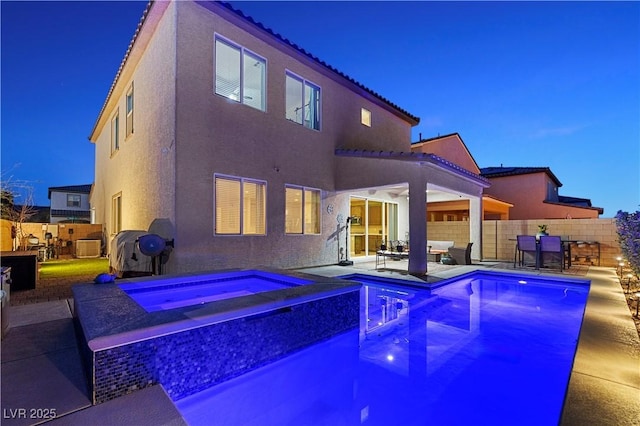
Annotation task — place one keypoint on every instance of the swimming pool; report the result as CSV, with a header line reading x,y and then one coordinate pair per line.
x,y
485,348
170,293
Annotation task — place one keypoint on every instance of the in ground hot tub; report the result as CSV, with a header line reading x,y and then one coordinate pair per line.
x,y
155,295
190,332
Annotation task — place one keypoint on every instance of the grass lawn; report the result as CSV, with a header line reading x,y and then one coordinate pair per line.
x,y
73,267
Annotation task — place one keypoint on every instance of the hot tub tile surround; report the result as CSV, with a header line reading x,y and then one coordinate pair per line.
x,y
191,348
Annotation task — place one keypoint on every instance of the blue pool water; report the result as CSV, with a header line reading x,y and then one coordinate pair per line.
x,y
487,348
170,293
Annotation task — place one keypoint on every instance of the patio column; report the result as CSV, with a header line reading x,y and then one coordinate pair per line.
x,y
417,227
475,226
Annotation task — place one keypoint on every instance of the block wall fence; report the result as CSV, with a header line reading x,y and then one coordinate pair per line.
x,y
80,231
498,236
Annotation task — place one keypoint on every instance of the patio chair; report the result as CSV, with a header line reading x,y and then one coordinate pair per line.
x,y
526,248
462,256
552,251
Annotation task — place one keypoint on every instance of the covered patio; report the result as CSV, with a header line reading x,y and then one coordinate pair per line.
x,y
412,178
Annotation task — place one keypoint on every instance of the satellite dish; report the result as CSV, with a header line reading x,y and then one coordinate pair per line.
x,y
151,244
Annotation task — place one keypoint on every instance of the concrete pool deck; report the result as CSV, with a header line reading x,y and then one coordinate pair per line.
x,y
42,373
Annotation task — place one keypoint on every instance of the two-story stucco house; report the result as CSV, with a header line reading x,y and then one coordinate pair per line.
x,y
256,152
70,204
534,194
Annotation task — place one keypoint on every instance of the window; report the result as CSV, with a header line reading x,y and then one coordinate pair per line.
x,y
116,213
240,206
115,131
129,111
365,117
240,75
302,102
302,210
73,200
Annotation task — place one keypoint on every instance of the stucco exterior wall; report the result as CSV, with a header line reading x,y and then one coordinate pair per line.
x,y
450,148
527,193
216,135
142,170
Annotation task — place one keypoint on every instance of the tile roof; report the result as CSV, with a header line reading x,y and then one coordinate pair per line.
x,y
259,25
71,213
583,202
315,59
493,172
83,189
412,156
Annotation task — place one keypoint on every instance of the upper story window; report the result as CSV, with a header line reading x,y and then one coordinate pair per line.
x,y
240,74
73,200
302,210
365,117
115,132
302,101
129,101
240,206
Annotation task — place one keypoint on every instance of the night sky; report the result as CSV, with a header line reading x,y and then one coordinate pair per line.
x,y
542,84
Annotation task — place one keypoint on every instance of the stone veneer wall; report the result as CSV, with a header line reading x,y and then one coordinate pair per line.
x,y
193,360
498,236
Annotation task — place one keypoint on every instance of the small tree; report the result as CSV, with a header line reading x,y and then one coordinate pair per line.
x,y
17,214
628,229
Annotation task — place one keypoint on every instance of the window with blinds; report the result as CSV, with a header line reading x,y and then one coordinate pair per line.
x,y
240,74
240,206
302,101
302,210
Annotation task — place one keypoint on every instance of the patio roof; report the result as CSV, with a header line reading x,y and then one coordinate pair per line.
x,y
416,157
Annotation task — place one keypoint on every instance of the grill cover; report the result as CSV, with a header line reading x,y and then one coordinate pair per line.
x,y
121,255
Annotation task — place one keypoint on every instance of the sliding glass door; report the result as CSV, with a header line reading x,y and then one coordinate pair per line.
x,y
373,223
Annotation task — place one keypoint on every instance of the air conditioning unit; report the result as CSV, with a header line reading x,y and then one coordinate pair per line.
x,y
87,248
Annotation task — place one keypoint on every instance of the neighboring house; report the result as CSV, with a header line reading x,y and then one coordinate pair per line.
x,y
534,194
446,206
250,151
70,204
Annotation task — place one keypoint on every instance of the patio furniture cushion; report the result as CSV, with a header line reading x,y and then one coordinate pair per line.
x,y
462,256
526,248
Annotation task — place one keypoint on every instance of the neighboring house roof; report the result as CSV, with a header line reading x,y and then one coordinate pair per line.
x,y
82,189
415,157
39,214
600,210
497,200
494,172
260,26
582,202
71,213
